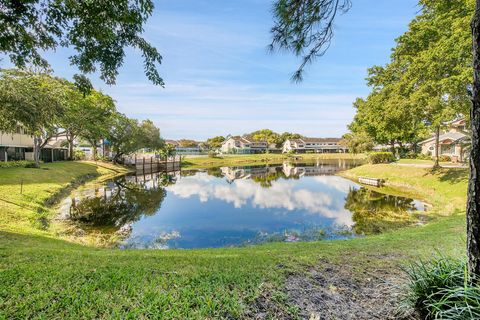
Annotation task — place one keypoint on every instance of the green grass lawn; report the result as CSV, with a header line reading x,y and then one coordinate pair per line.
x,y
444,188
429,162
415,161
26,194
258,159
42,276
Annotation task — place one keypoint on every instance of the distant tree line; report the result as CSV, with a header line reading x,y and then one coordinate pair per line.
x,y
48,106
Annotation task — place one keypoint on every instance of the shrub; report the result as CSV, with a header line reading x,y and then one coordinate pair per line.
x,y
444,158
422,156
212,154
17,164
30,164
410,155
79,155
438,289
380,157
103,158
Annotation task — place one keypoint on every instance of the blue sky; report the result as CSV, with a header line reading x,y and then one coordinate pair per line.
x,y
221,80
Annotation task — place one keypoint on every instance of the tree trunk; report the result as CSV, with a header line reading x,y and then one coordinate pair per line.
x,y
70,138
37,147
94,148
117,157
392,145
437,146
473,202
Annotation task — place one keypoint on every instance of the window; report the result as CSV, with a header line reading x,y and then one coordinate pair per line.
x,y
447,149
15,153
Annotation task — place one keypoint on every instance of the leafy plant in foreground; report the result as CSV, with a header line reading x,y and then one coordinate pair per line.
x,y
439,289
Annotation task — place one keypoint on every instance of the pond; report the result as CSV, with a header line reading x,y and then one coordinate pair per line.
x,y
235,206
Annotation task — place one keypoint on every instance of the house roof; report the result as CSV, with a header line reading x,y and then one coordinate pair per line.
x,y
57,142
315,140
172,142
244,139
455,136
321,139
296,140
250,139
457,122
240,139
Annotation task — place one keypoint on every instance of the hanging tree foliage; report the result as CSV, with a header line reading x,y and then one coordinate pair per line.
x,y
98,32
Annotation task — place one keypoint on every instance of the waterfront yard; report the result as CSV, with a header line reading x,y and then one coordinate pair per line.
x,y
44,276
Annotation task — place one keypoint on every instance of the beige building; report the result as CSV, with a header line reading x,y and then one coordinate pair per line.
x,y
15,146
19,146
314,145
243,145
450,141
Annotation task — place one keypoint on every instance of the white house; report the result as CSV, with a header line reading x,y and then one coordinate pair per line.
x,y
314,145
450,141
243,145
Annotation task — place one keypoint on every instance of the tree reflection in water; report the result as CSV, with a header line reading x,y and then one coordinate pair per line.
x,y
123,202
373,212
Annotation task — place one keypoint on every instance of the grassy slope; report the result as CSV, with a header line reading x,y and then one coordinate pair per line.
x,y
51,278
421,161
258,159
23,212
445,188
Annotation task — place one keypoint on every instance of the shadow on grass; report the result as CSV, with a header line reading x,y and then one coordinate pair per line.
x,y
451,175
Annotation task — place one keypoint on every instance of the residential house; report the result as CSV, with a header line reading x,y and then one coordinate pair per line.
x,y
19,146
13,146
314,145
450,141
243,145
194,150
56,149
173,143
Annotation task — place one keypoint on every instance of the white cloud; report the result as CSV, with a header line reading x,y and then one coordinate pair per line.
x,y
282,194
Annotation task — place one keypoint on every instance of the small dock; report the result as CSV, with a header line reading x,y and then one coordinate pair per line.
x,y
371,181
154,164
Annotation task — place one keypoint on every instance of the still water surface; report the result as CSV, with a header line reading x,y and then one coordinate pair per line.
x,y
233,206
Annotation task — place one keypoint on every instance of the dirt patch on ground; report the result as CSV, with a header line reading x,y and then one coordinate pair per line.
x,y
335,291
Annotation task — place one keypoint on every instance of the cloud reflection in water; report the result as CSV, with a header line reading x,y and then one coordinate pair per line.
x,y
283,194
